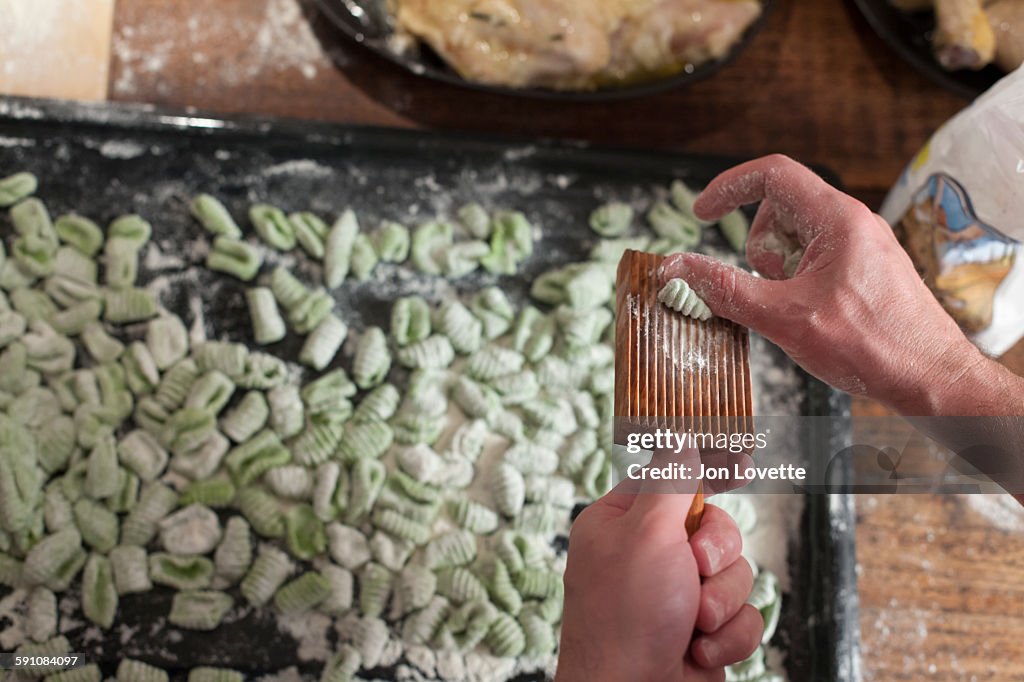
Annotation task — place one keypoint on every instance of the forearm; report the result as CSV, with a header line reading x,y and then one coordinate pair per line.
x,y
975,407
962,382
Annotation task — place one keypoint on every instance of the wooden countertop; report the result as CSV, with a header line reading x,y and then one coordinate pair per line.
x,y
942,587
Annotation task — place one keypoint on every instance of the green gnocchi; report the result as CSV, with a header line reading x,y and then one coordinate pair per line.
x,y
160,458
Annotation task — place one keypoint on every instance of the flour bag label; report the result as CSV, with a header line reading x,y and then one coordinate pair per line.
x,y
958,209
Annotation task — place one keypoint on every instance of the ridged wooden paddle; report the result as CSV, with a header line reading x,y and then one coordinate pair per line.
x,y
669,365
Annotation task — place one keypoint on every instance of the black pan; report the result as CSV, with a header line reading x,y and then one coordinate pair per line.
x,y
910,35
102,159
368,23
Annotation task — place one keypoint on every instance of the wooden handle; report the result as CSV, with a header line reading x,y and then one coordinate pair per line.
x,y
696,513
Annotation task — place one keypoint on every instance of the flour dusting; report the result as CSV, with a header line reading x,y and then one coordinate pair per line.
x,y
306,167
276,34
311,632
122,149
16,142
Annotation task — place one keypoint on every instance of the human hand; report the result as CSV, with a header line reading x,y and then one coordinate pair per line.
x,y
851,310
635,608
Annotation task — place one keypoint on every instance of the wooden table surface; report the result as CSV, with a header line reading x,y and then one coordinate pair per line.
x,y
942,587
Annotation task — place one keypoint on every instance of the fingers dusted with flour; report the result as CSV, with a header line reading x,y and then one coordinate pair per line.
x,y
729,291
835,289
797,195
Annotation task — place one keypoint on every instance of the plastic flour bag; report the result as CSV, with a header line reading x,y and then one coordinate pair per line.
x,y
958,209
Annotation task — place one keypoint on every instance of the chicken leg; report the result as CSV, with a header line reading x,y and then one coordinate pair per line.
x,y
963,37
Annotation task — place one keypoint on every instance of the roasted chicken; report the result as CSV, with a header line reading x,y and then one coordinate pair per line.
x,y
575,44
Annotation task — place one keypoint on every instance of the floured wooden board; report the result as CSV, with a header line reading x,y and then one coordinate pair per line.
x,y
670,365
675,366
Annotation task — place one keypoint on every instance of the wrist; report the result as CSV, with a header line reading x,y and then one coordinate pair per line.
x,y
960,382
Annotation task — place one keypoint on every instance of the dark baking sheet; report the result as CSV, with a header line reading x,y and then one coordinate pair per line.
x,y
368,23
910,35
105,160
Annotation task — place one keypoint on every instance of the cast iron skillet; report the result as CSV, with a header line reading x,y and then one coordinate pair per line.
x,y
910,35
368,23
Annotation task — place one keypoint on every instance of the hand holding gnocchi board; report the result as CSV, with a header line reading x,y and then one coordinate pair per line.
x,y
671,365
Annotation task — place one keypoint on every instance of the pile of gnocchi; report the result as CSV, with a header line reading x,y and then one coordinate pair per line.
x,y
409,482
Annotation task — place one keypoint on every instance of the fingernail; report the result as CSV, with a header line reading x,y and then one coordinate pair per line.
x,y
714,554
711,651
717,614
672,261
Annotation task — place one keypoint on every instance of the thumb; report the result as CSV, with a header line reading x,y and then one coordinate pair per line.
x,y
667,499
730,292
